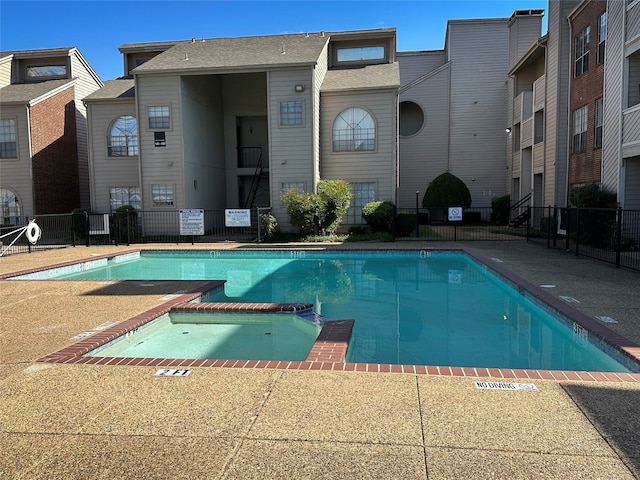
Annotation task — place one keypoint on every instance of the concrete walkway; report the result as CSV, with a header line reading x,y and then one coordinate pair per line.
x,y
117,422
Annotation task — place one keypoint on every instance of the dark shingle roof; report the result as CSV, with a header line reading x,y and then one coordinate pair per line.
x,y
23,93
386,75
114,89
238,53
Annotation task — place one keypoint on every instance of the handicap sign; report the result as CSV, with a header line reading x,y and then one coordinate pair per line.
x,y
455,214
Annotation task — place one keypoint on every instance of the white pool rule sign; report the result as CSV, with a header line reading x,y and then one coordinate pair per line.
x,y
192,221
237,217
455,214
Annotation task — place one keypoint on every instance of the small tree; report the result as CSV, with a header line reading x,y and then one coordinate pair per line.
x,y
311,213
596,226
446,190
378,215
500,207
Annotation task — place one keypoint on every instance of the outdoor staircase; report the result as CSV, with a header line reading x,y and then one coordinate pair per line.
x,y
524,209
255,184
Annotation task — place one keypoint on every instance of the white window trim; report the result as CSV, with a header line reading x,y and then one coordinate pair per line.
x,y
17,157
357,152
163,206
159,129
304,109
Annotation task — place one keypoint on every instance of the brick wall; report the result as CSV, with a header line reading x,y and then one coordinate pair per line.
x,y
55,154
585,167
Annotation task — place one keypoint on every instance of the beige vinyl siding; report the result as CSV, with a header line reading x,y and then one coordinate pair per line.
x,y
291,148
479,64
632,180
367,166
85,85
203,133
632,29
15,175
613,96
424,155
163,166
108,171
5,71
414,65
319,73
524,31
557,94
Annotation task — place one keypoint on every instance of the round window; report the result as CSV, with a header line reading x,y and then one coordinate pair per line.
x,y
411,118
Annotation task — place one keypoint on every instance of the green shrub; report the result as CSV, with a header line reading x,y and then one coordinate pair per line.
x,y
379,215
335,197
268,226
405,224
500,207
596,226
446,190
592,196
313,213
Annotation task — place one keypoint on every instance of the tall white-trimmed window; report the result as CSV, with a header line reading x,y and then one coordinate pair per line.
x,y
162,195
122,140
9,208
8,138
354,130
602,36
159,117
121,196
581,52
580,129
291,113
599,122
363,193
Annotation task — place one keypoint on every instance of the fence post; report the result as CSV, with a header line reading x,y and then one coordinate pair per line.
x,y
128,229
548,225
258,224
567,240
618,237
417,215
577,232
28,243
393,222
87,228
555,225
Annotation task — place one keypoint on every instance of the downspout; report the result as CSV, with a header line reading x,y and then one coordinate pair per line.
x,y
136,97
91,159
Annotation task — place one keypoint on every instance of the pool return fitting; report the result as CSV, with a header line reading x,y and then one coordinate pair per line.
x,y
31,231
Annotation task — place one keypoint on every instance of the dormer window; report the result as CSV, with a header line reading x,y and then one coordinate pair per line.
x,y
360,54
37,72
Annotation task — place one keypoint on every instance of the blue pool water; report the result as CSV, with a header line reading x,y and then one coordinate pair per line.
x,y
418,308
218,336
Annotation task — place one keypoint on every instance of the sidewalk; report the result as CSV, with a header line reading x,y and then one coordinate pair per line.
x,y
116,422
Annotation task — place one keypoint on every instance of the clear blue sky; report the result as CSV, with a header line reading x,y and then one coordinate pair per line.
x,y
98,28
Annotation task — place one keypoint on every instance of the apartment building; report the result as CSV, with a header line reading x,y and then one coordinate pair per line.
x,y
43,132
235,122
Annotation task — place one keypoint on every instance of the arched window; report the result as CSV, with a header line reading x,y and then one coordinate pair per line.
x,y
122,140
354,130
9,207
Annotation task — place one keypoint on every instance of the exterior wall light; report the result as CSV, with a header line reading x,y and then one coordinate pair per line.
x,y
508,129
299,88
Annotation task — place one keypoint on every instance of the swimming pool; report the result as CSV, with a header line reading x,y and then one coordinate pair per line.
x,y
410,307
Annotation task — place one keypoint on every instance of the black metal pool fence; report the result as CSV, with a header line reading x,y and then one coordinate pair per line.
x,y
610,235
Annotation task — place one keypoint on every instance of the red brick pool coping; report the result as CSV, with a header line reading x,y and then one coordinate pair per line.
x,y
330,348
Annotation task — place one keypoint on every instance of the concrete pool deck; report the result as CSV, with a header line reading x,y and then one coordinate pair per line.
x,y
103,421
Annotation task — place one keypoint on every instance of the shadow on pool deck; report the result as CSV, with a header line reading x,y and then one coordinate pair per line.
x,y
93,421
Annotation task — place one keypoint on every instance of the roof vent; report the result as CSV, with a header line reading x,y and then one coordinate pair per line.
x,y
282,51
322,33
193,39
186,56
